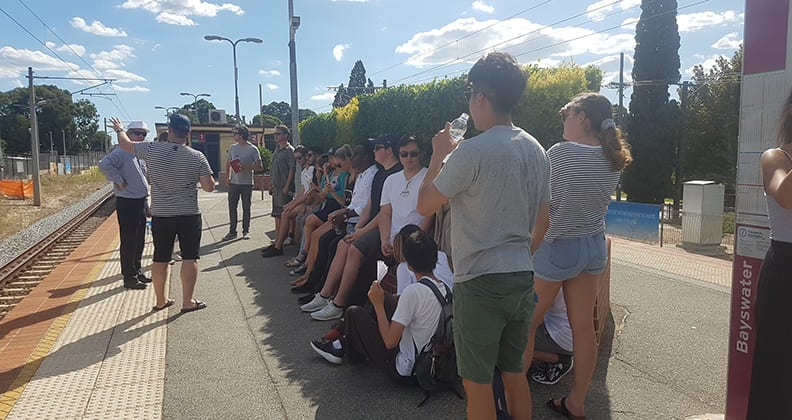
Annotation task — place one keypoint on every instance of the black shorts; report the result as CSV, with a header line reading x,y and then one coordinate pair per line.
x,y
370,246
165,230
329,206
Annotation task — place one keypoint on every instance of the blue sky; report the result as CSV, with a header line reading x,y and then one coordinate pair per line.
x,y
155,48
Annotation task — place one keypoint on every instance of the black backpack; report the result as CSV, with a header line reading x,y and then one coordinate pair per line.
x,y
435,366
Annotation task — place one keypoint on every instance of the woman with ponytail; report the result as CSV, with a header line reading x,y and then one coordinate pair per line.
x,y
584,171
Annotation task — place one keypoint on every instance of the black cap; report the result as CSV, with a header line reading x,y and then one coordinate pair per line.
x,y
180,124
387,140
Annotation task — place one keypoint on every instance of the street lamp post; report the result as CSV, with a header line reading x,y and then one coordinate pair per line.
x,y
167,110
236,69
195,101
294,23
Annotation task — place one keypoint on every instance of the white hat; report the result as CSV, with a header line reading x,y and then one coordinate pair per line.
x,y
138,125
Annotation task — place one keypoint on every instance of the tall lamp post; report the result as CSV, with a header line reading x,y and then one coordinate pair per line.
x,y
236,69
167,110
195,101
294,23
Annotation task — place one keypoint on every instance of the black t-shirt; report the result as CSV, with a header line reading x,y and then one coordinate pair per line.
x,y
376,186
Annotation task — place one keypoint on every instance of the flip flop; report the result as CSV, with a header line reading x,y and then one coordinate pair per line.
x,y
168,302
562,409
198,306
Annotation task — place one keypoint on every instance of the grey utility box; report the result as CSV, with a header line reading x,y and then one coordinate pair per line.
x,y
702,213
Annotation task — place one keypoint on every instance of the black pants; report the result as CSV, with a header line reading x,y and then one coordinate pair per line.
x,y
328,245
769,396
132,228
235,192
364,341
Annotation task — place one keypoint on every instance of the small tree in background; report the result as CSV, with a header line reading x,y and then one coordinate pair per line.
x,y
652,123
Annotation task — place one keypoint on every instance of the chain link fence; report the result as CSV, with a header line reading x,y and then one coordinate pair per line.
x,y
21,167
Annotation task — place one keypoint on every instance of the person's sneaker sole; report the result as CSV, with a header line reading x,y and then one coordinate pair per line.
x,y
327,356
323,316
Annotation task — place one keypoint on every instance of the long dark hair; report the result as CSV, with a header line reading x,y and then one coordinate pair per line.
x,y
598,109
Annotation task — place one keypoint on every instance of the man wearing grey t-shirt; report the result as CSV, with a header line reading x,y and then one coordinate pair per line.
x,y
243,159
498,186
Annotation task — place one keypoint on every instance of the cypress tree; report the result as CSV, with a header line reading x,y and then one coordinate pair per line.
x,y
653,122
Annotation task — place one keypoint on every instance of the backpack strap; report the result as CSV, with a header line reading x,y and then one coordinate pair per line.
x,y
440,298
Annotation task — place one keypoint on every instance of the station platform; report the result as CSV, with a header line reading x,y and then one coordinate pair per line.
x,y
82,347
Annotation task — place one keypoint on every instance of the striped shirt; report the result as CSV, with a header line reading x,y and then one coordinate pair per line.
x,y
582,181
174,171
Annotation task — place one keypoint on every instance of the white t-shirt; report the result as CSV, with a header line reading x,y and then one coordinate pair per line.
x,y
405,277
402,195
306,178
418,310
557,323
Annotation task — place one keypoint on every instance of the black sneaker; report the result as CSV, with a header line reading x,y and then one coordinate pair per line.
x,y
271,252
134,284
554,372
537,368
328,351
142,278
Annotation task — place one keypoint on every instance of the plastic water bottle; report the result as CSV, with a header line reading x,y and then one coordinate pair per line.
x,y
459,127
148,226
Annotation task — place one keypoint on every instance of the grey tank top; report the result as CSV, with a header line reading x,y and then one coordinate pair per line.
x,y
780,218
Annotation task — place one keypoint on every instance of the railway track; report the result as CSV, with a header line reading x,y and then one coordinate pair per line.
x,y
19,276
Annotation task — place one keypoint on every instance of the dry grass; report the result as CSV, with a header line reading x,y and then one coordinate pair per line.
x,y
57,192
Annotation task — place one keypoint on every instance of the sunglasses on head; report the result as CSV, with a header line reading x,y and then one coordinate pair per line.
x,y
412,154
137,133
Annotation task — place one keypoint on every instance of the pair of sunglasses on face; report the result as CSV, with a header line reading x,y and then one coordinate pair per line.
x,y
412,154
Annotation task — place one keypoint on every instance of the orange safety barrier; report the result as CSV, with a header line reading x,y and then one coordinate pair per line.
x,y
16,188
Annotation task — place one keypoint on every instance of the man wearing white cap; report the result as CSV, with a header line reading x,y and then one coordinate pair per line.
x,y
128,174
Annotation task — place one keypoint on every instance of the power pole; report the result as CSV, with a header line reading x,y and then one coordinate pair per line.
x,y
620,122
63,135
34,141
680,149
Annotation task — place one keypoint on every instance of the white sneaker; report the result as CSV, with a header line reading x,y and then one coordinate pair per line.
x,y
328,313
288,241
316,304
245,235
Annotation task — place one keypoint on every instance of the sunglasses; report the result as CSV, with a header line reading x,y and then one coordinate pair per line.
x,y
412,154
137,133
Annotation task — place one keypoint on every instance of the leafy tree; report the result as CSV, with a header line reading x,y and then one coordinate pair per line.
x,y
358,85
651,125
712,122
282,111
268,120
593,78
79,120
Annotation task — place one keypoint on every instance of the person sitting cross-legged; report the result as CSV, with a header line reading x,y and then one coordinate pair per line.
x,y
391,336
552,357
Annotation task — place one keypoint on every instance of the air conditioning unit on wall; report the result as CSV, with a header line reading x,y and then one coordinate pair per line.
x,y
217,116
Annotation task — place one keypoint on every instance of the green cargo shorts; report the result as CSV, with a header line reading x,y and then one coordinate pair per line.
x,y
492,319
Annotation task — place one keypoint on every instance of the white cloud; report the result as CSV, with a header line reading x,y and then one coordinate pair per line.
x,y
597,11
133,89
695,21
480,6
96,28
338,51
124,76
178,12
14,62
323,97
113,59
272,86
75,49
269,73
174,19
526,40
707,64
730,41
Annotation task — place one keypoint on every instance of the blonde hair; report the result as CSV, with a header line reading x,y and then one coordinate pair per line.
x,y
598,109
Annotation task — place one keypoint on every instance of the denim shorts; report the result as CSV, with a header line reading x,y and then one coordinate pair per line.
x,y
566,258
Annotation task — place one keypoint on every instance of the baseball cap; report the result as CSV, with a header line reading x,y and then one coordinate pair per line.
x,y
387,140
137,125
180,124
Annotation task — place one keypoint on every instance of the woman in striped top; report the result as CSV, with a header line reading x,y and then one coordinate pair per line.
x,y
584,171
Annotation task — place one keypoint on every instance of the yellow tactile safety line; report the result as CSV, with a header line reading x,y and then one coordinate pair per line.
x,y
15,390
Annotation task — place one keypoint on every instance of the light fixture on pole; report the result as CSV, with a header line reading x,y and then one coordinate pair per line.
x,y
236,69
294,23
195,101
167,110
